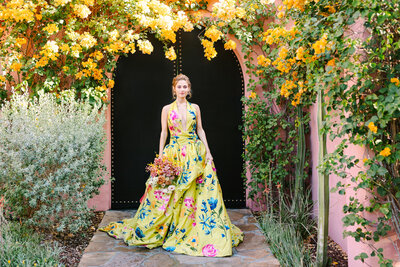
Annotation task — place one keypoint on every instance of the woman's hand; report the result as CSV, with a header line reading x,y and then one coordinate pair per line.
x,y
208,157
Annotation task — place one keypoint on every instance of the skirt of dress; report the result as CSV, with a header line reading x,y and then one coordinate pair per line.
x,y
190,220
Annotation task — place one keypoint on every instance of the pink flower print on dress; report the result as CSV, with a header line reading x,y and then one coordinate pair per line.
x,y
209,250
200,180
158,194
183,151
166,200
173,116
189,202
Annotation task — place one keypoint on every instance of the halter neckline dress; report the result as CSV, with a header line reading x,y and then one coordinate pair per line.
x,y
192,219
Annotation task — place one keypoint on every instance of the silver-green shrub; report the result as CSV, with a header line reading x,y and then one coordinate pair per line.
x,y
51,153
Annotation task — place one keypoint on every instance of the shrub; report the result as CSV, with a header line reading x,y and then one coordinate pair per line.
x,y
50,160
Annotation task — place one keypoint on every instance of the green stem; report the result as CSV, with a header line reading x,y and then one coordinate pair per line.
x,y
323,189
300,159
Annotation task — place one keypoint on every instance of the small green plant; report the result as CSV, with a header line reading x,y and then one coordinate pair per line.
x,y
285,242
21,246
51,153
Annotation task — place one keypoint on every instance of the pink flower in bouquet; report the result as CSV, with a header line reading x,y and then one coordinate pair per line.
x,y
209,250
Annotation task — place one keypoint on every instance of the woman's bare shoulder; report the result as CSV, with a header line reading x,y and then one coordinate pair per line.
x,y
195,106
166,107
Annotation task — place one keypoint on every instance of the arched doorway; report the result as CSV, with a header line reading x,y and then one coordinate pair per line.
x,y
143,87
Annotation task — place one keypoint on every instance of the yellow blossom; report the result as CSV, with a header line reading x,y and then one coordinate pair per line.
x,y
145,46
16,66
2,78
170,54
320,45
61,2
87,40
88,2
372,127
82,11
331,62
213,33
38,16
253,95
283,52
209,50
79,75
281,14
65,68
263,61
365,160
101,88
286,88
117,46
300,53
385,152
331,9
395,81
20,41
51,28
110,84
240,12
230,45
97,55
168,35
76,49
97,74
42,62
64,48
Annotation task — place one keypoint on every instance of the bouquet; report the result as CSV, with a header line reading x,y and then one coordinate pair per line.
x,y
163,173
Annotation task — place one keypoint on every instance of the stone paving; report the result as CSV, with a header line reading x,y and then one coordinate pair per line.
x,y
104,250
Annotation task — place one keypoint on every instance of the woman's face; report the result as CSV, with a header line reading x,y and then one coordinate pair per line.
x,y
182,89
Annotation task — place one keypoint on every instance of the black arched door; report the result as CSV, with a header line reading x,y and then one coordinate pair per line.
x,y
143,87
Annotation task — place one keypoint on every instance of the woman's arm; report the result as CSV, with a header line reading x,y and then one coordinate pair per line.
x,y
164,130
201,133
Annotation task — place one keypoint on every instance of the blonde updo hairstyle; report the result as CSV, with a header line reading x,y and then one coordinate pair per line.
x,y
181,77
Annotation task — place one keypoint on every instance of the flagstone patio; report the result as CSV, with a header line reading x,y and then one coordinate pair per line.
x,y
104,250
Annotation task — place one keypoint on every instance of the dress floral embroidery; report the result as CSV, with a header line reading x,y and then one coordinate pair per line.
x,y
192,219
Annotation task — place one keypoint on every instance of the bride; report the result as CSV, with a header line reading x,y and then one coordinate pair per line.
x,y
192,218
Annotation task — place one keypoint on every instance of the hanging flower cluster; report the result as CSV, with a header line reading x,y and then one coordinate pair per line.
x,y
76,42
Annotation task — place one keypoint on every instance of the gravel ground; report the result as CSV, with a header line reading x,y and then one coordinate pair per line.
x,y
73,246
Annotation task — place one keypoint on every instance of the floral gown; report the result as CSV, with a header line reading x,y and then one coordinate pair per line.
x,y
192,219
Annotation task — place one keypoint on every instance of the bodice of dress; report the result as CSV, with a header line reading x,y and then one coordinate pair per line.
x,y
180,133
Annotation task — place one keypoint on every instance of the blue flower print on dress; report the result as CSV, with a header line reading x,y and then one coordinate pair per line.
x,y
170,248
212,202
208,223
139,232
144,211
204,206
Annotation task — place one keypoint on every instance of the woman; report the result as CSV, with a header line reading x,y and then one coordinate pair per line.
x,y
192,219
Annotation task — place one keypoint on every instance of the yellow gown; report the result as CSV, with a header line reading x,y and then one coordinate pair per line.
x,y
192,219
